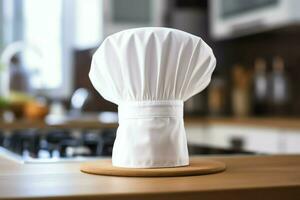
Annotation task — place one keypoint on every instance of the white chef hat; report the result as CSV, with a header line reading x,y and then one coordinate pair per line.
x,y
149,73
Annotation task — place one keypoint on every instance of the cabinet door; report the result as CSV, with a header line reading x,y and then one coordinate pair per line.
x,y
263,140
255,139
213,135
292,142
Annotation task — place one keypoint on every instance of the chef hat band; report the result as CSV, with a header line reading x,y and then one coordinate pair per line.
x,y
148,109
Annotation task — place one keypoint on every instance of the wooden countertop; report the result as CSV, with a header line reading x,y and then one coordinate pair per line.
x,y
72,124
255,177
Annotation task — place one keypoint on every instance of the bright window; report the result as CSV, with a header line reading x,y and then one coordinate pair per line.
x,y
43,29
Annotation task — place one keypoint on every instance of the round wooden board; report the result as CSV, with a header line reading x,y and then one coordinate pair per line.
x,y
196,167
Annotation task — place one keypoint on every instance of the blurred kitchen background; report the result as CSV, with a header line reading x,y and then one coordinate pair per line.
x,y
49,110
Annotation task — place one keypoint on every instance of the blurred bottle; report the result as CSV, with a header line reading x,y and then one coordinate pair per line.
x,y
241,91
260,88
217,96
279,88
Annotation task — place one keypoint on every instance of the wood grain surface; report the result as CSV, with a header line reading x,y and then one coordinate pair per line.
x,y
248,177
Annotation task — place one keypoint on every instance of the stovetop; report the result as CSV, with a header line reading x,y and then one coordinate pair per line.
x,y
32,145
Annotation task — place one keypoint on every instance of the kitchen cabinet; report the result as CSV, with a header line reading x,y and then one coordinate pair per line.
x,y
238,18
253,138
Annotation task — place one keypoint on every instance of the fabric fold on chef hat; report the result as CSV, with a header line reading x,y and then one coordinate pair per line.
x,y
149,73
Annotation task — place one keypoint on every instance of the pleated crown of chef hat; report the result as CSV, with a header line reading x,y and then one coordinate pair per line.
x,y
149,73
